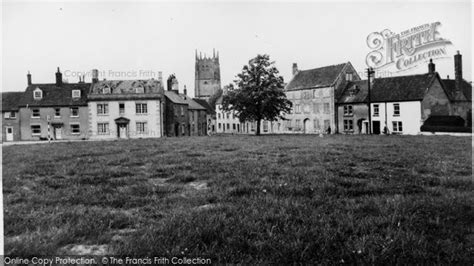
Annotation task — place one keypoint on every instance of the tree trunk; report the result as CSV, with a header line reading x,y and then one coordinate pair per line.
x,y
258,128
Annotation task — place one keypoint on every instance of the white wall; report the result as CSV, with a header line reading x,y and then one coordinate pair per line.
x,y
410,116
152,118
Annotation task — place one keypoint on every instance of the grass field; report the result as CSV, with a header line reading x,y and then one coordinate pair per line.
x,y
280,199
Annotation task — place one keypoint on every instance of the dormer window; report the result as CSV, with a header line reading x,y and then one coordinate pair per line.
x,y
139,90
76,93
37,94
106,90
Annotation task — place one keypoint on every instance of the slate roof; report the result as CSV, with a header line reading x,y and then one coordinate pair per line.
x,y
314,78
126,89
206,105
10,100
56,96
192,105
402,88
174,97
354,92
450,87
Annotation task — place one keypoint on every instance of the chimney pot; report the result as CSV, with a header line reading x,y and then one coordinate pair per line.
x,y
431,67
59,78
295,69
458,70
28,77
95,75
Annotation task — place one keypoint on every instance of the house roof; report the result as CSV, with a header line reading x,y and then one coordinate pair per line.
x,y
192,105
402,88
11,100
450,87
314,78
206,105
56,96
354,92
174,97
126,89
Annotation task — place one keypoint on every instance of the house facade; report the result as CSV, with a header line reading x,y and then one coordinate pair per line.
x,y
210,115
54,111
314,93
125,109
10,116
352,109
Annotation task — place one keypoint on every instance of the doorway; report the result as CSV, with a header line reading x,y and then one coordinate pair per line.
x,y
122,131
376,127
9,133
306,126
58,132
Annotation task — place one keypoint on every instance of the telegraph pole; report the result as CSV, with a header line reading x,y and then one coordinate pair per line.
x,y
370,71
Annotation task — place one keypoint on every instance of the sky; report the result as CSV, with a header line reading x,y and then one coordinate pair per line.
x,y
135,40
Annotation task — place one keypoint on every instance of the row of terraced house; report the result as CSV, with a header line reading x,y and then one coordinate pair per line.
x,y
334,99
102,109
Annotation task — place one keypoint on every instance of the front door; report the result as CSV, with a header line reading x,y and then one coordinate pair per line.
x,y
376,127
122,131
306,126
58,132
9,135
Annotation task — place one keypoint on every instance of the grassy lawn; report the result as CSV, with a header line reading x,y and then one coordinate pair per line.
x,y
337,199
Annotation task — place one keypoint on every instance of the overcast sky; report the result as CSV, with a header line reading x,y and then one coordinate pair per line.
x,y
147,37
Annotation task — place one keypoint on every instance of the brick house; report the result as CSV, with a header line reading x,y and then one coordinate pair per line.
x,y
54,110
10,116
125,108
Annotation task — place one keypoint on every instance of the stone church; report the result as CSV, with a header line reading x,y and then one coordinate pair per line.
x,y
207,76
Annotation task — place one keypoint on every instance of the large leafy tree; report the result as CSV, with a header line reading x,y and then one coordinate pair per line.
x,y
258,94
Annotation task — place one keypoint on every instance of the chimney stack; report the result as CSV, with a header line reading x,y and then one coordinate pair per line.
x,y
28,77
458,70
59,78
95,76
185,91
431,67
447,77
295,69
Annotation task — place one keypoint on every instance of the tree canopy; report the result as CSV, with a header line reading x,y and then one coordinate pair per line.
x,y
258,94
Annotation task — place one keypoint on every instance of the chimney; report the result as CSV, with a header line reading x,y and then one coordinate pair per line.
x,y
295,69
458,70
185,91
28,77
431,67
95,76
59,78
447,77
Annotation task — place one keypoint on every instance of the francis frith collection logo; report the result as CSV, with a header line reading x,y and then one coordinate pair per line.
x,y
406,50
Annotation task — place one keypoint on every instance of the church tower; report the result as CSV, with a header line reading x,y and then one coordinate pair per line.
x,y
207,75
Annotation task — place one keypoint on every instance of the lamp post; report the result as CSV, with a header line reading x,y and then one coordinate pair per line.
x,y
370,72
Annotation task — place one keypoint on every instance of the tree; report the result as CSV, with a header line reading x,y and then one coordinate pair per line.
x,y
258,94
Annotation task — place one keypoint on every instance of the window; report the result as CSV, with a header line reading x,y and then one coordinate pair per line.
x,y
397,126
182,110
298,123
36,113
316,124
252,127
75,129
139,90
76,94
233,126
349,76
12,115
103,129
306,108
102,108
376,110
35,130
348,110
348,125
396,109
37,94
183,129
57,112
227,115
219,125
265,126
297,109
316,108
219,116
326,108
314,94
106,90
141,128
9,115
121,108
74,112
141,108
228,126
